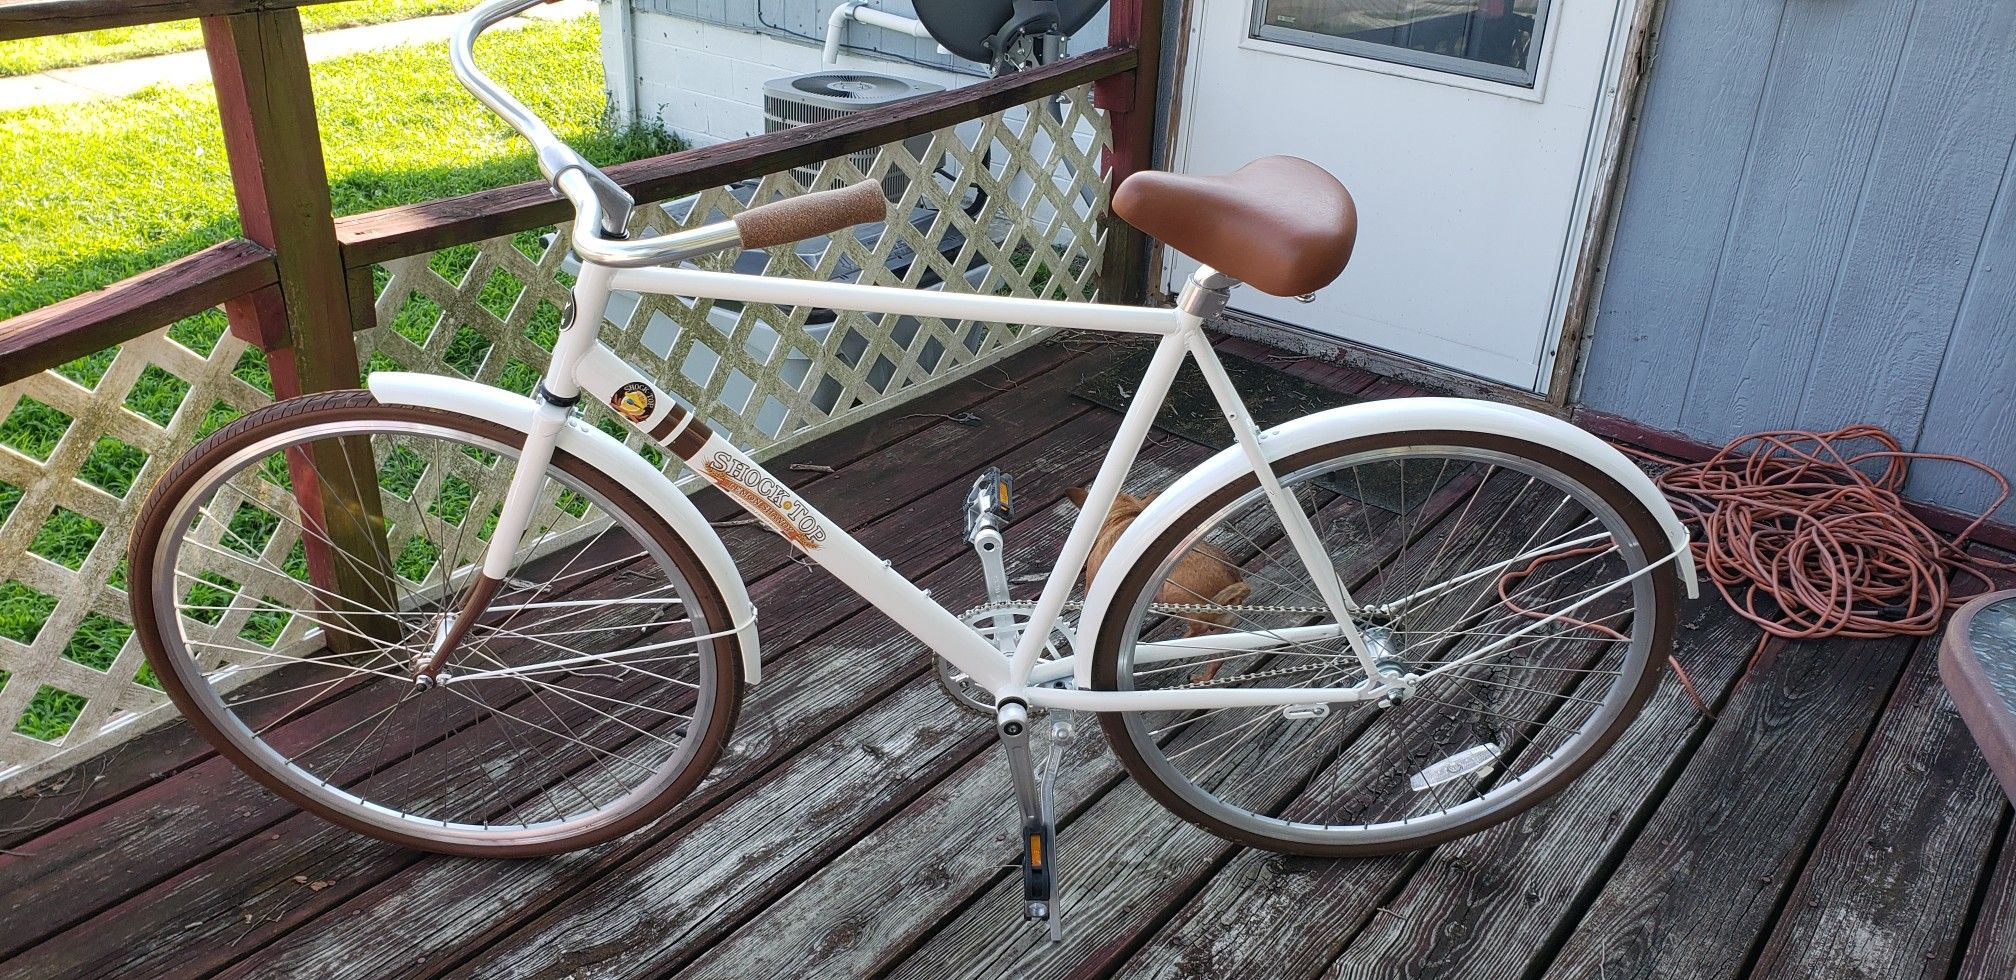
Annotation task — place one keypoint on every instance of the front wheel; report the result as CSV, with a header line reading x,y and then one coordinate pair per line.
x,y
1518,583
289,574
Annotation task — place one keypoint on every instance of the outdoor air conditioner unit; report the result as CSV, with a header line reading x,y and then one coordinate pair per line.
x,y
796,100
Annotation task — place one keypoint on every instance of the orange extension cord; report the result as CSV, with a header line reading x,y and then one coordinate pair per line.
x,y
1805,544
1802,540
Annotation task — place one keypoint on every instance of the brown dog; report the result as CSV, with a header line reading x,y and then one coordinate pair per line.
x,y
1206,574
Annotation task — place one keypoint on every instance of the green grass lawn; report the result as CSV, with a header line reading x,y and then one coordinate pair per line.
x,y
98,191
118,43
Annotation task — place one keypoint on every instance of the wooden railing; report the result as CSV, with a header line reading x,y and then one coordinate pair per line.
x,y
470,284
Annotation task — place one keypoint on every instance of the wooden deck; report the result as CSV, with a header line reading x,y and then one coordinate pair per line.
x,y
1831,820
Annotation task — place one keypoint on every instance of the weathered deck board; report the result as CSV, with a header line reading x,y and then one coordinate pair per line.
x,y
881,903
1893,878
130,838
615,924
1709,872
1990,952
1112,847
914,537
172,748
895,886
1316,908
858,823
856,493
1483,906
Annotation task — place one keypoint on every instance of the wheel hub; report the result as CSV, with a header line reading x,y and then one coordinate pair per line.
x,y
424,678
1394,671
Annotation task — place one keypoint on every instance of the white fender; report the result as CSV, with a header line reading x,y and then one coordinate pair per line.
x,y
604,453
1353,421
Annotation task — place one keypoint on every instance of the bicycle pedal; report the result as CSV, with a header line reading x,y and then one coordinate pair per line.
x,y
1035,800
1039,869
1037,902
990,505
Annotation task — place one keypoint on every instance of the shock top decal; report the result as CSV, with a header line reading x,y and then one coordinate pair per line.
x,y
766,498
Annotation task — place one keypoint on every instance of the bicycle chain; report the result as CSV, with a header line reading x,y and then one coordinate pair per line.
x,y
1021,605
1257,675
1018,605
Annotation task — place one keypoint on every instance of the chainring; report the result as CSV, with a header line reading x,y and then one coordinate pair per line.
x,y
961,688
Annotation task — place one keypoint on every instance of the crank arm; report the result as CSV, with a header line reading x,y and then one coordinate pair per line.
x,y
1047,788
989,509
1036,815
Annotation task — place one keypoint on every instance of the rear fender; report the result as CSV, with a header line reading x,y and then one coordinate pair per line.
x,y
1355,421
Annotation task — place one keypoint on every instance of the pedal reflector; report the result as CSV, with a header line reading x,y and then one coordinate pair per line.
x,y
991,502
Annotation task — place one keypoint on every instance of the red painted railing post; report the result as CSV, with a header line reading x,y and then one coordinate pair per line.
x,y
266,103
1129,99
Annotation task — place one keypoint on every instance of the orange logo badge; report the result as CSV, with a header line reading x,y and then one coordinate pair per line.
x,y
634,401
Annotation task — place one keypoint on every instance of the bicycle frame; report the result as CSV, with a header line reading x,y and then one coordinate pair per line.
x,y
583,367
613,260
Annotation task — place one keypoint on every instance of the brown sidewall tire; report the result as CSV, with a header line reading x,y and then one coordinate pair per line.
x,y
1651,537
360,406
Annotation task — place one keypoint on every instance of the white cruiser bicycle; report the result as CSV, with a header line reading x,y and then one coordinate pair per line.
x,y
1451,607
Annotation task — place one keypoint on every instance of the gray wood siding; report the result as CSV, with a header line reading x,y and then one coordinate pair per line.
x,y
1818,229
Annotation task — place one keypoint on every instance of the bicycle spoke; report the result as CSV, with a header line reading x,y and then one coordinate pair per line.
x,y
589,683
1498,585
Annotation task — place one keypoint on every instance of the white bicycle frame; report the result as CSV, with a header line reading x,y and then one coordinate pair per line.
x,y
581,366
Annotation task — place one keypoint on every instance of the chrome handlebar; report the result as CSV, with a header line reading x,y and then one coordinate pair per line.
x,y
601,206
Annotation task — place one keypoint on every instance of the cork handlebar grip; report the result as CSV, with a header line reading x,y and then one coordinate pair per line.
x,y
811,215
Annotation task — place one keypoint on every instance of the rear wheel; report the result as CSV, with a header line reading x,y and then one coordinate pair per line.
x,y
1515,581
592,697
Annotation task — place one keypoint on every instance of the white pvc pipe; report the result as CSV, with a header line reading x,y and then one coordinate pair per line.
x,y
890,22
836,26
625,62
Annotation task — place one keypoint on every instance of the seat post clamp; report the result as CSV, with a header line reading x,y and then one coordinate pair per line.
x,y
1206,298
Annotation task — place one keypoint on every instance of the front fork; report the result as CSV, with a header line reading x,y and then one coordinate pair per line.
x,y
556,397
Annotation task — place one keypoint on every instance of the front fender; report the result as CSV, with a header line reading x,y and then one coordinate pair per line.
x,y
1354,421
604,453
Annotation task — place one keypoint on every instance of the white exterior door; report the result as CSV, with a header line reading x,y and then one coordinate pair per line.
x,y
1467,132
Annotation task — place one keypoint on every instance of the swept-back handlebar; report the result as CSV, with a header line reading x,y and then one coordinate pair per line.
x,y
602,207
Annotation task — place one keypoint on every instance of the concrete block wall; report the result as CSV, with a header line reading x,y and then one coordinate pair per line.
x,y
704,80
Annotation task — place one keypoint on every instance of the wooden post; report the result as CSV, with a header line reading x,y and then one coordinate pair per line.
x,y
1129,99
259,64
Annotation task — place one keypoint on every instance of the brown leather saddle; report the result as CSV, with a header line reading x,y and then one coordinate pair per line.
x,y
1280,224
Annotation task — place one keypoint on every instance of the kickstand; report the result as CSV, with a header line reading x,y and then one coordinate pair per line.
x,y
1036,803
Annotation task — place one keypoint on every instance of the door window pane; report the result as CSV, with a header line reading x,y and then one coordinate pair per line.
x,y
1494,39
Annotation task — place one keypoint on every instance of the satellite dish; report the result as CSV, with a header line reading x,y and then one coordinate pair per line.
x,y
968,28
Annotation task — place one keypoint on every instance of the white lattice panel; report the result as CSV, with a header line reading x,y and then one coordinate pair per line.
x,y
1008,204
79,448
